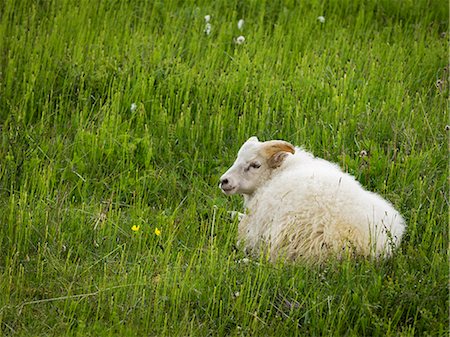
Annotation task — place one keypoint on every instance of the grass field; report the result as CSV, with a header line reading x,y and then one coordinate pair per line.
x,y
117,119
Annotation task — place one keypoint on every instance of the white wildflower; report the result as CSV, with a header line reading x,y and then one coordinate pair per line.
x,y
244,260
133,107
241,24
208,28
321,19
207,18
240,40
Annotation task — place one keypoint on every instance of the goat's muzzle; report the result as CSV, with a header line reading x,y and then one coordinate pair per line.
x,y
226,186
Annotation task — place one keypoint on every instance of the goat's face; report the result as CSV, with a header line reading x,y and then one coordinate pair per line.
x,y
254,165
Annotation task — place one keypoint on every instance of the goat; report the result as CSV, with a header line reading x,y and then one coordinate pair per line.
x,y
300,206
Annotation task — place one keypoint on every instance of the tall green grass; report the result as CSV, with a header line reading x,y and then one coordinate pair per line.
x,y
79,168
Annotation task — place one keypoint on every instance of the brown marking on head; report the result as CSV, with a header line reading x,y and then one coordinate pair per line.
x,y
276,151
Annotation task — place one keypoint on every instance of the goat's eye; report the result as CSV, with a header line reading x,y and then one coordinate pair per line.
x,y
254,165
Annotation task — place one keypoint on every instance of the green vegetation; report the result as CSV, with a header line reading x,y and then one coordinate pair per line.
x,y
79,167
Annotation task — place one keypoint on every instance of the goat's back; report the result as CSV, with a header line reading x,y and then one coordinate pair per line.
x,y
309,205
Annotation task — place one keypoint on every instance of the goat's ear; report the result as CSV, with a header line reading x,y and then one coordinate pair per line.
x,y
276,151
253,139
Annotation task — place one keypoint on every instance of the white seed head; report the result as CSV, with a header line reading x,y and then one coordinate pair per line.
x,y
241,24
321,19
240,40
207,18
208,29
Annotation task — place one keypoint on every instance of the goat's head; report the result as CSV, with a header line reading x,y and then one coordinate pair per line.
x,y
254,165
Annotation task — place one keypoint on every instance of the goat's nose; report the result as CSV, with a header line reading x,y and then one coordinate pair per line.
x,y
224,181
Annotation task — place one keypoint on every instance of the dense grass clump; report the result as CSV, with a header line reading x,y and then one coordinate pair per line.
x,y
118,117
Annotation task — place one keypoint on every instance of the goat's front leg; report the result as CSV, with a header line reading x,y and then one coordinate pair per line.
x,y
237,214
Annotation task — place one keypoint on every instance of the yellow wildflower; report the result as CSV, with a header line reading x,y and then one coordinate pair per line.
x,y
157,231
135,228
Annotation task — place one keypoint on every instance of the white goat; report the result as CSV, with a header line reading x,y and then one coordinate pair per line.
x,y
299,206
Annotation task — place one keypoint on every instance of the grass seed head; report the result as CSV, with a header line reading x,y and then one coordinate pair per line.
x,y
240,24
240,40
208,28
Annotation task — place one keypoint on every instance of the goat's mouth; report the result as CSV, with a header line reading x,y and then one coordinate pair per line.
x,y
228,189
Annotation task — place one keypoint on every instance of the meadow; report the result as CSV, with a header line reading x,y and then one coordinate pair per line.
x,y
117,119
